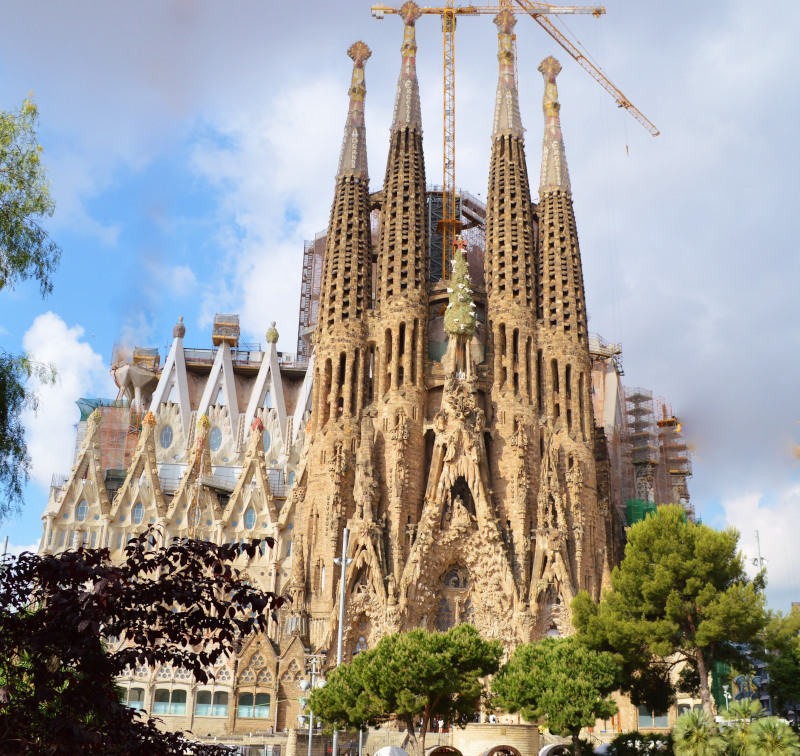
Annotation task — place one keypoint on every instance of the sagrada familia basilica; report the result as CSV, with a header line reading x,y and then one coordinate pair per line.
x,y
448,425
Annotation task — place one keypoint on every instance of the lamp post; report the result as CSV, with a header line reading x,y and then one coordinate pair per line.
x,y
305,686
343,561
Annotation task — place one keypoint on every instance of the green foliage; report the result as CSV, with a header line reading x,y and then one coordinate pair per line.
x,y
15,397
695,735
414,675
783,640
772,736
680,595
739,717
636,743
559,681
26,251
58,689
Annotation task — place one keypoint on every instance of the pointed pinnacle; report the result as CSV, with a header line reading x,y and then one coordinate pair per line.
x,y
554,163
406,101
506,111
353,158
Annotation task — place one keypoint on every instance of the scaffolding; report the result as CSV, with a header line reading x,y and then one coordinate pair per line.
x,y
226,330
642,437
471,215
470,210
118,433
675,456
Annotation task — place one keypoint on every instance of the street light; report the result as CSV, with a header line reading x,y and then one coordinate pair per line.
x,y
343,561
305,686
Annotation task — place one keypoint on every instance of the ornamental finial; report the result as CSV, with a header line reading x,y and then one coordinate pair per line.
x,y
506,110
353,159
554,175
272,334
406,101
179,331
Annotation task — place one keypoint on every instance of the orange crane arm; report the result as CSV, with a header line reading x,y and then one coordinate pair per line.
x,y
590,68
473,10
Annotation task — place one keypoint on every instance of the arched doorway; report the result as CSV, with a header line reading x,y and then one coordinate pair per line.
x,y
502,750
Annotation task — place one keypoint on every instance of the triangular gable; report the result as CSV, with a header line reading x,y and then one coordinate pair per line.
x,y
181,507
254,468
142,481
221,387
173,385
303,401
86,482
268,381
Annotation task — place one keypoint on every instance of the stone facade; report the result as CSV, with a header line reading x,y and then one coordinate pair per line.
x,y
469,485
474,485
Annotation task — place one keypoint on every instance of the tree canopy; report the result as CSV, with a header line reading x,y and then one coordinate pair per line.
x,y
680,595
411,676
782,640
26,251
561,682
183,605
746,733
15,397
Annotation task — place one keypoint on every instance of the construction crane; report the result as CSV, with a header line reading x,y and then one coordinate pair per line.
x,y
449,225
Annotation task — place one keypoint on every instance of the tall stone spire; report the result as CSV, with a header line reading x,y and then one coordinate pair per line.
x,y
346,272
353,160
510,270
400,338
510,238
406,103
567,541
554,162
506,109
402,256
561,300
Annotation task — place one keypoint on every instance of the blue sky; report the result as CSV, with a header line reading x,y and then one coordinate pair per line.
x,y
192,147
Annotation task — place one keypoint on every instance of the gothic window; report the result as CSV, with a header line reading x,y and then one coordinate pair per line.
x,y
468,612
220,705
360,646
166,437
267,441
164,673
169,703
248,677
202,703
81,511
254,706
135,698
250,518
265,677
215,438
138,513
444,616
257,661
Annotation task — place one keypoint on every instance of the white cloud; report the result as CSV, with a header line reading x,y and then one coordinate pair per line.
x,y
774,522
81,372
